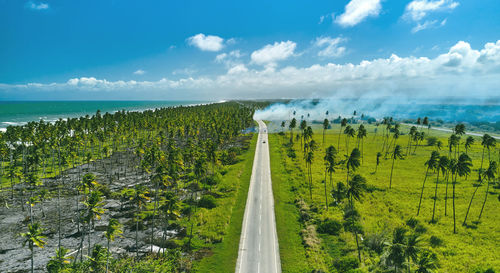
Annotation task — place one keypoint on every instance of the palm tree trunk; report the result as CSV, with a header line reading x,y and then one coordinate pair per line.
x,y
454,215
485,197
446,195
422,192
357,246
392,169
32,257
470,203
107,258
326,196
435,197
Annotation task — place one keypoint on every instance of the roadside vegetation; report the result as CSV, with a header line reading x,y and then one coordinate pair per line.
x,y
152,191
358,196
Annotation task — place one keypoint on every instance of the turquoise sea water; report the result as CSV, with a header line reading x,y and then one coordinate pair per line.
x,y
21,112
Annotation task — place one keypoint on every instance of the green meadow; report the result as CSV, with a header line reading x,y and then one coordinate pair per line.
x,y
307,243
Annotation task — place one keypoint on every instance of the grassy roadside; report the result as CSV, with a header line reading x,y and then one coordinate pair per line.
x,y
225,253
292,252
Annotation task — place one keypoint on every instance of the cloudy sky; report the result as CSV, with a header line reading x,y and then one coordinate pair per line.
x,y
171,50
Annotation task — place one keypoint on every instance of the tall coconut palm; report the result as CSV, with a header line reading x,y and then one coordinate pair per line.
x,y
490,174
379,154
34,238
351,224
329,161
309,159
349,132
95,209
291,126
113,229
352,162
361,135
487,142
326,124
411,134
461,168
431,165
397,153
469,141
356,188
343,123
442,166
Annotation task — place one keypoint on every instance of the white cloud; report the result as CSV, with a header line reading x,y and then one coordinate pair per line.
x,y
358,10
428,24
139,72
37,6
418,9
461,71
270,54
206,42
228,57
330,46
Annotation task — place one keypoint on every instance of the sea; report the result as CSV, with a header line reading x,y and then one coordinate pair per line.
x,y
22,112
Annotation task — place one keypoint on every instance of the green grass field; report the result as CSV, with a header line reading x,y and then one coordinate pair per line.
x,y
473,248
227,216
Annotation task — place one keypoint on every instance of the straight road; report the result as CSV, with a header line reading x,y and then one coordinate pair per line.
x,y
259,251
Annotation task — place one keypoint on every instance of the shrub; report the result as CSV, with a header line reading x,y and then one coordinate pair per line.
x,y
375,242
330,226
207,201
345,264
435,241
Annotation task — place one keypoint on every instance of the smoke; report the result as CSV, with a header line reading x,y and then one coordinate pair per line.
x,y
400,107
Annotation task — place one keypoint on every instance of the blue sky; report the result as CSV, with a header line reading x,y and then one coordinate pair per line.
x,y
247,49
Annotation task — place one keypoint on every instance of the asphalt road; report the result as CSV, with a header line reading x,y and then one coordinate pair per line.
x,y
259,251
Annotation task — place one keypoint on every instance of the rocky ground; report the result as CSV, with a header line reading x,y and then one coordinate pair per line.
x,y
13,219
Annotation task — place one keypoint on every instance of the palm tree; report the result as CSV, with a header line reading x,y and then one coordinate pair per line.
x,y
468,143
411,134
292,126
352,162
442,166
356,188
60,261
379,154
361,135
94,206
302,127
33,237
412,248
397,248
461,168
349,132
113,229
309,158
351,224
329,160
343,123
490,174
431,165
138,196
427,262
398,153
487,142
326,124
